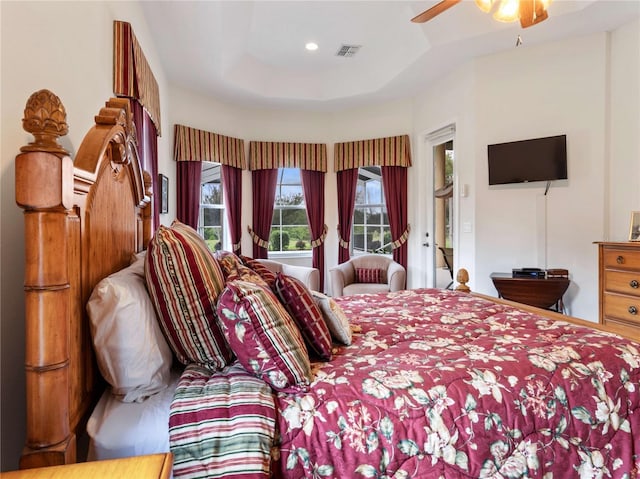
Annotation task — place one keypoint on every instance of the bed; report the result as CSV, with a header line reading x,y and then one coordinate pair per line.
x,y
416,383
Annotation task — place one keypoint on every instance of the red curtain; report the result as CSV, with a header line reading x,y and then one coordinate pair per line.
x,y
394,182
189,175
347,182
147,139
313,185
264,193
232,186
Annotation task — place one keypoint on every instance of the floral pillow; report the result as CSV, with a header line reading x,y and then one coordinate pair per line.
x,y
335,318
300,304
184,280
368,275
263,336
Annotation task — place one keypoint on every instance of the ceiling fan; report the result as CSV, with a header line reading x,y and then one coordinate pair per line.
x,y
529,12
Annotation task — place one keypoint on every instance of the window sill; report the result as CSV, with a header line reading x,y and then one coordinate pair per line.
x,y
289,254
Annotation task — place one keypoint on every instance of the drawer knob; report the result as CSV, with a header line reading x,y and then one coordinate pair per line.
x,y
634,283
633,310
620,259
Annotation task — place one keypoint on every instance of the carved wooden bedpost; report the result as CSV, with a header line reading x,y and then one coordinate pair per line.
x,y
46,284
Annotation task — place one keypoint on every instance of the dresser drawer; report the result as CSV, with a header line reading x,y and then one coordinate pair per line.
x,y
621,258
622,282
626,308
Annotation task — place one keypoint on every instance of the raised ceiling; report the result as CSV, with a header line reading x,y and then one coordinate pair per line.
x,y
252,52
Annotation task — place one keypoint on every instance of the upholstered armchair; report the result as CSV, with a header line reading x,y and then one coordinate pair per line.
x,y
371,273
309,276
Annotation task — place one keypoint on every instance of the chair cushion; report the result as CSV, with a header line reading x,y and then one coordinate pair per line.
x,y
299,302
264,336
184,280
364,288
368,275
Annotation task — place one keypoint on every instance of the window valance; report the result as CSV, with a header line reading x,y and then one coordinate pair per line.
x,y
132,75
265,155
390,151
191,144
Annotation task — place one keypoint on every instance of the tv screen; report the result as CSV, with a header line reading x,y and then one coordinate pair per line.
x,y
538,159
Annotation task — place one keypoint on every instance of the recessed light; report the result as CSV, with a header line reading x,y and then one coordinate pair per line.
x,y
311,46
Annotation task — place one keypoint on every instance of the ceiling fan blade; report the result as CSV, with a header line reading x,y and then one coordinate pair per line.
x,y
434,11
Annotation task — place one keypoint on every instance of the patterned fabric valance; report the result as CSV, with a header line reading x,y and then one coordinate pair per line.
x,y
199,145
391,151
264,155
132,76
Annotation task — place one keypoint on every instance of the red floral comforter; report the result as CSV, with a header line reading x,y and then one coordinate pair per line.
x,y
442,384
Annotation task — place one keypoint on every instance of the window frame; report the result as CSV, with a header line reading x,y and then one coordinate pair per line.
x,y
212,171
278,209
382,206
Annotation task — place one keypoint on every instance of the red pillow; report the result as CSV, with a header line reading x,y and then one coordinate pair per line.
x,y
299,302
368,275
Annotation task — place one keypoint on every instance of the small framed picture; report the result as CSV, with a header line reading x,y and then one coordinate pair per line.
x,y
164,194
634,228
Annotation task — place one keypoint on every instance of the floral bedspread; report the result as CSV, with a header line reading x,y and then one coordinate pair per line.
x,y
439,384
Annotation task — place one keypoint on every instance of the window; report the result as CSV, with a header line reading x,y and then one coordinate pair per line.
x,y
289,227
371,232
212,216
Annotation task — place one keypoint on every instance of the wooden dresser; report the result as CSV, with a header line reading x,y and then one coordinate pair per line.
x,y
619,281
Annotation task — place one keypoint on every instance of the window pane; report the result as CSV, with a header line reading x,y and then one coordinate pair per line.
x,y
374,192
211,193
360,193
358,238
373,216
299,237
294,217
289,176
358,216
212,217
289,195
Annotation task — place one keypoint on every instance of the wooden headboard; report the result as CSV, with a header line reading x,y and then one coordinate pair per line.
x,y
83,220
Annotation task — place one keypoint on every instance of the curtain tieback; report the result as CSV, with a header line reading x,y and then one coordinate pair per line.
x,y
403,238
320,239
236,246
257,240
343,244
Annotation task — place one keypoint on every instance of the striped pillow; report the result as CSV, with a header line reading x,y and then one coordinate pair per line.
x,y
229,417
263,336
368,275
184,281
264,272
305,312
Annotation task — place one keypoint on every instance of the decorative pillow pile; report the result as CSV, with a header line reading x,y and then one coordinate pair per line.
x,y
263,336
337,322
265,273
297,299
184,281
132,354
368,275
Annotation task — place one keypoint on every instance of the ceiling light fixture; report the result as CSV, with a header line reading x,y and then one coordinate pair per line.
x,y
311,46
529,12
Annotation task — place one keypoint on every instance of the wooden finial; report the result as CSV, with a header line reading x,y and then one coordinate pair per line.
x,y
46,119
463,278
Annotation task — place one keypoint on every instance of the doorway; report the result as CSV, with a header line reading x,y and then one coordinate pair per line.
x,y
439,213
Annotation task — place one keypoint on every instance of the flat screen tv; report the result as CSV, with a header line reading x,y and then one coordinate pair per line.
x,y
538,159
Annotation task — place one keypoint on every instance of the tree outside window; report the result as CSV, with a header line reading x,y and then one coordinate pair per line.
x,y
371,232
212,215
289,227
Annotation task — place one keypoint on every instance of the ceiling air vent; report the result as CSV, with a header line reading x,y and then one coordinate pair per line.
x,y
348,50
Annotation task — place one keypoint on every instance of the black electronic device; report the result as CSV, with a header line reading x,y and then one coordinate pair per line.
x,y
528,273
538,159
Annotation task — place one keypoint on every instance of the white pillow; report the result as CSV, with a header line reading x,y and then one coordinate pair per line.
x,y
334,316
133,355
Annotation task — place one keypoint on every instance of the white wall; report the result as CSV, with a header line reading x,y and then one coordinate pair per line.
x,y
65,47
